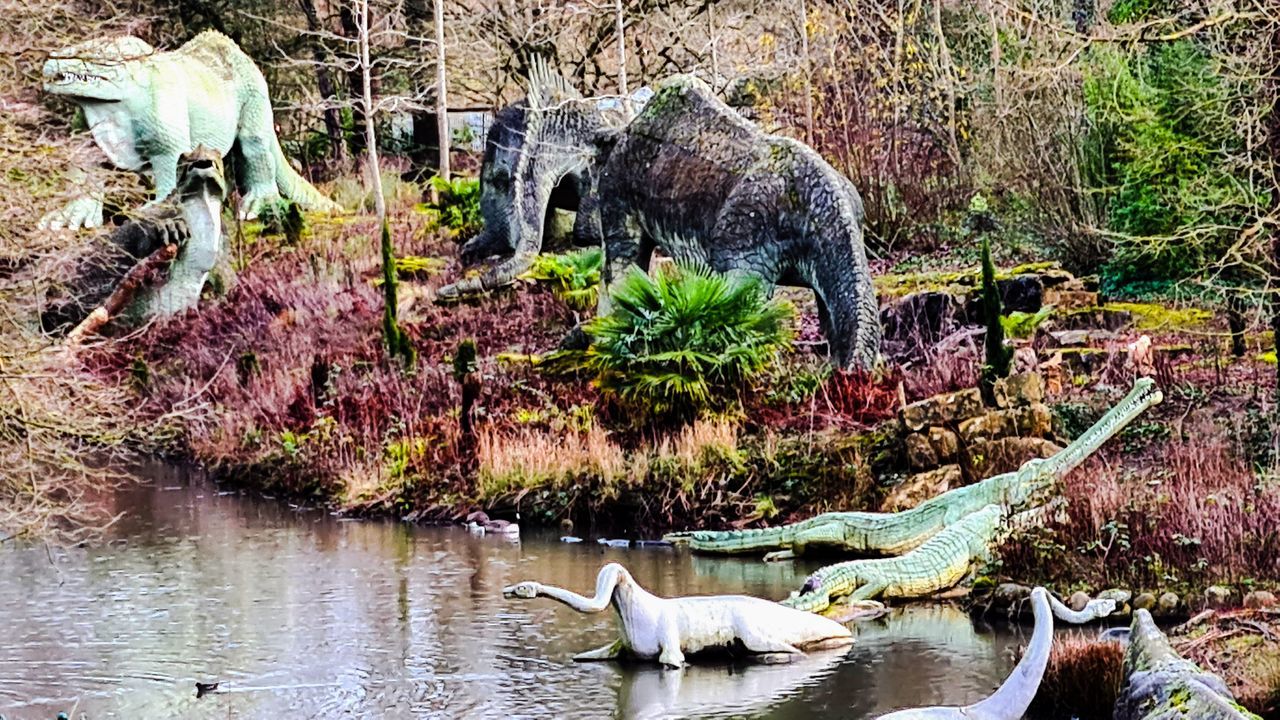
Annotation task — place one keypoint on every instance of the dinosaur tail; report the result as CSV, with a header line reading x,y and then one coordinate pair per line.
x,y
296,188
732,542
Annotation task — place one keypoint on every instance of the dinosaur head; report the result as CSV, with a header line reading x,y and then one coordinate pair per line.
x,y
200,172
1038,475
100,69
532,147
525,590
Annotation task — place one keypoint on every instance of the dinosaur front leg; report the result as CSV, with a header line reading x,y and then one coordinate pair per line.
x,y
868,591
670,655
258,158
611,651
164,170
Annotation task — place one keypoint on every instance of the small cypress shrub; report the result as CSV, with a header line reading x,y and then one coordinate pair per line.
x,y
999,357
398,345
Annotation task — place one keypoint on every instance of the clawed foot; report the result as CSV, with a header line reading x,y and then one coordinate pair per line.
x,y
856,610
457,291
253,203
84,212
779,555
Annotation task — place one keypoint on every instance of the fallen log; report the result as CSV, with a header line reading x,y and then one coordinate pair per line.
x,y
146,273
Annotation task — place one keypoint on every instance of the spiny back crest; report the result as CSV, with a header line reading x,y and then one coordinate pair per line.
x,y
548,88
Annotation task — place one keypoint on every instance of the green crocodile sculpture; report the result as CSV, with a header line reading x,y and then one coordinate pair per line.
x,y
147,108
896,533
941,562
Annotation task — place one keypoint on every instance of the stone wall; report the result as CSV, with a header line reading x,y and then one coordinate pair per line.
x,y
953,440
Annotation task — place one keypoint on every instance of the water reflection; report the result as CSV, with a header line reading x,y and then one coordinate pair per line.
x,y
302,615
718,690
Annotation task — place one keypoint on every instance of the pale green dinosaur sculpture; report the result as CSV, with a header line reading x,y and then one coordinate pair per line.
x,y
896,533
668,629
147,108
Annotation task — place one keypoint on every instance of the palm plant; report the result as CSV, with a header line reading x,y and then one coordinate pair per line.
x,y
684,342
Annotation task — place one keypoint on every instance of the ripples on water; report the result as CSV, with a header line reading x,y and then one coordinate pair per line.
x,y
300,615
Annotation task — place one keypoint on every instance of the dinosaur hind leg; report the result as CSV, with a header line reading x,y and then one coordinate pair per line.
x,y
257,142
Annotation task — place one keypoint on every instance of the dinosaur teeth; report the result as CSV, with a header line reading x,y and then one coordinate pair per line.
x,y
70,77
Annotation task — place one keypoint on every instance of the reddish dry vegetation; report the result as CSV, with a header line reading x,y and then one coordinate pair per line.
x,y
1187,513
284,384
286,378
1082,679
1243,648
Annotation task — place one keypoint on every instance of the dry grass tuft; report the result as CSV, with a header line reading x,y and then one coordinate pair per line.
x,y
1082,679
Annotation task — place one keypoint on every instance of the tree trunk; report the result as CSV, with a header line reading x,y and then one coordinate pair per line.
x,y
357,78
622,60
808,73
1273,157
442,104
324,82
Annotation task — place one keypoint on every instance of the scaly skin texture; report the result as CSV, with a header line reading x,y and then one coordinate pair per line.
x,y
550,137
896,533
1162,685
504,145
147,108
692,177
695,179
941,562
668,629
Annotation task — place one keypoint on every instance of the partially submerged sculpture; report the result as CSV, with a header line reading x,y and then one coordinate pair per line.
x,y
1162,685
668,629
896,533
942,561
147,108
1011,700
693,178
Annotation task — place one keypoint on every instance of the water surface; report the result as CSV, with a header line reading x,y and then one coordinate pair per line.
x,y
301,615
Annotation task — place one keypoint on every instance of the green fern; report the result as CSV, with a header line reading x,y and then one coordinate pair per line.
x,y
575,276
458,204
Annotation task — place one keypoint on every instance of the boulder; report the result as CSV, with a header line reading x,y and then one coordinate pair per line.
x,y
1167,604
946,444
920,452
1216,596
922,486
1144,601
1121,597
1021,389
1023,293
1259,599
942,409
993,457
1033,420
1067,299
1078,600
1070,338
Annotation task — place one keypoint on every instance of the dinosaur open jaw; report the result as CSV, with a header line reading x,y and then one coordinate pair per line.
x,y
69,78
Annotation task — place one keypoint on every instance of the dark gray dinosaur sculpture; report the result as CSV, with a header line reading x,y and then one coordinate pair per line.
x,y
540,153
693,178
503,146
